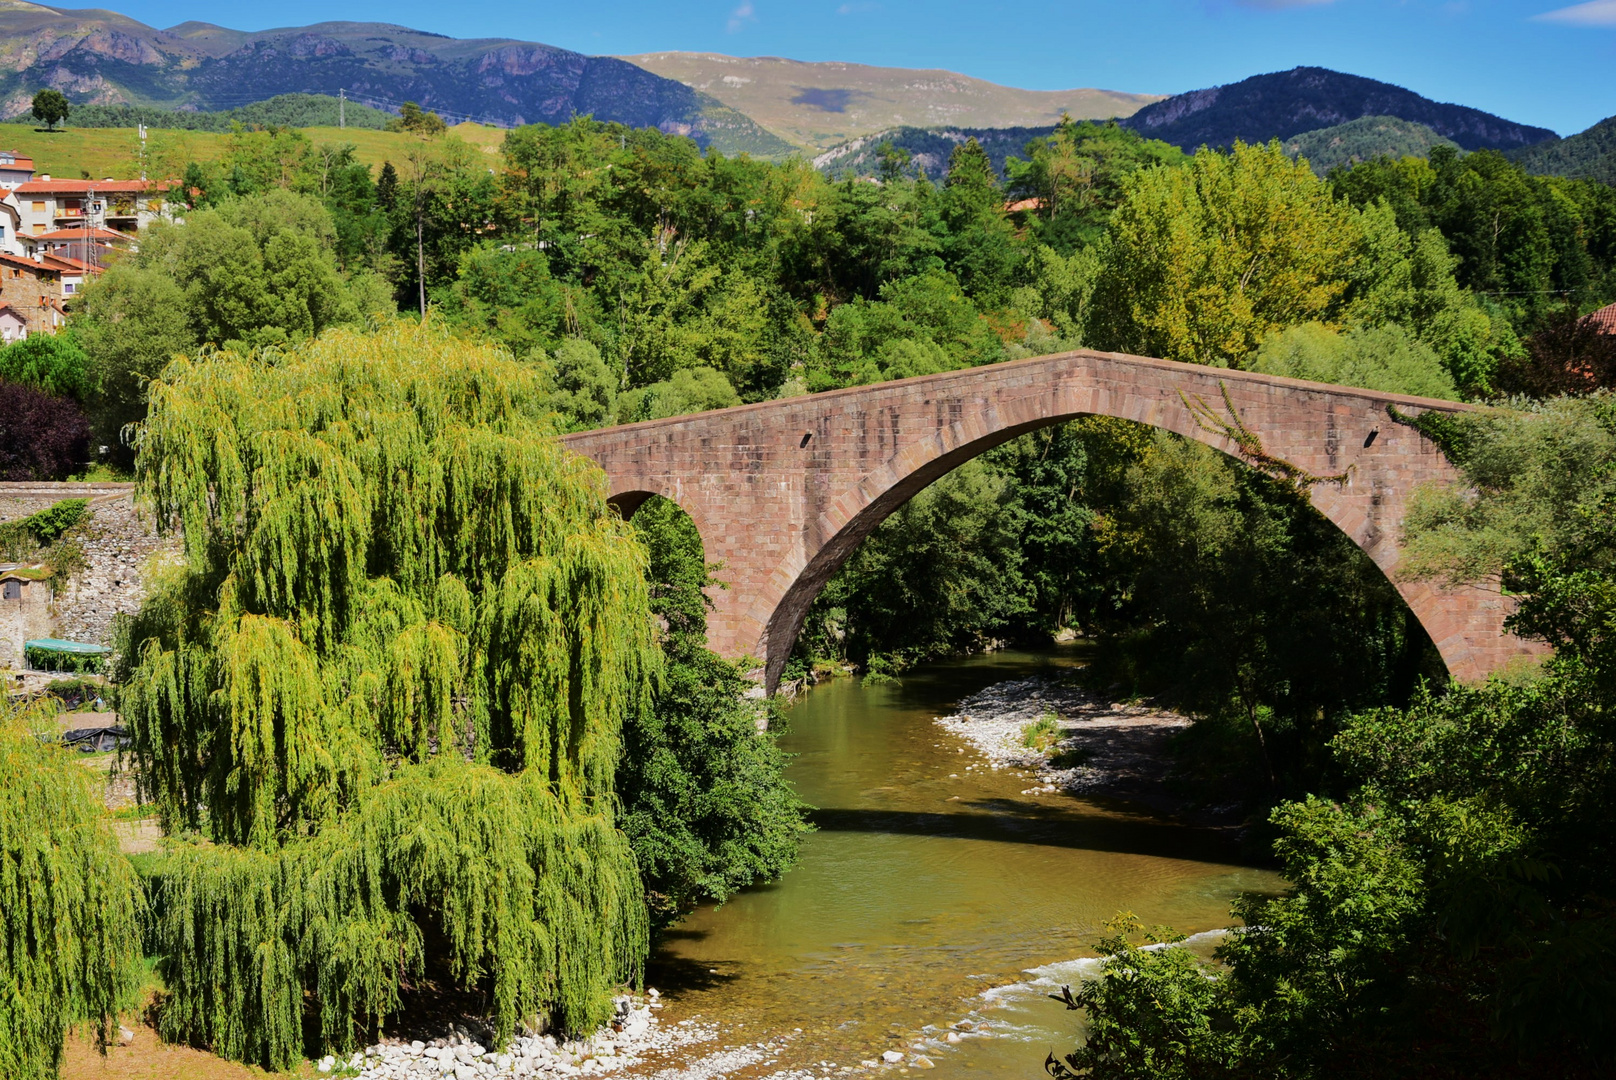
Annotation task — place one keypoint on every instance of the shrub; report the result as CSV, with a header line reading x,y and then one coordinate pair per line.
x,y
41,437
42,528
1042,733
53,363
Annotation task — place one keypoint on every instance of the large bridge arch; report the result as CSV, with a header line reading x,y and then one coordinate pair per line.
x,y
784,491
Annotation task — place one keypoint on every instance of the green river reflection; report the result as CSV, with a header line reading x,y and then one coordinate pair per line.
x,y
931,887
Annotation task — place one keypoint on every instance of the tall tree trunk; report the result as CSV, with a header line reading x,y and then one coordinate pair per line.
x,y
420,265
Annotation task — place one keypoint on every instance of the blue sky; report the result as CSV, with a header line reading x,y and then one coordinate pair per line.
x,y
1534,62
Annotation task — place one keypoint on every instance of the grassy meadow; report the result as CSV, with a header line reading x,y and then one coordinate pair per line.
x,y
72,153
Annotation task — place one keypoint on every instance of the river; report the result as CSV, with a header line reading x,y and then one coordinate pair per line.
x,y
935,892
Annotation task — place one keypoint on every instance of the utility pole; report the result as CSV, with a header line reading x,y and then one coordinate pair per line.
x,y
342,108
143,151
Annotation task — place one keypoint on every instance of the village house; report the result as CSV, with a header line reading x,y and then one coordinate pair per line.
x,y
25,596
46,205
56,234
15,168
32,296
82,243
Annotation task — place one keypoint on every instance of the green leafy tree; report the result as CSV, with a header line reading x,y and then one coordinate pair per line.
x,y
584,389
69,902
384,690
53,362
691,390
256,271
944,573
132,320
51,107
1202,262
1078,174
705,802
1377,358
418,121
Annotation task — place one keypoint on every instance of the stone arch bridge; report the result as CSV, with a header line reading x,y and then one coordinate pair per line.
x,y
783,491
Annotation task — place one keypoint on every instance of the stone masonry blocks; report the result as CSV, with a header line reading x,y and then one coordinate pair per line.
x,y
781,516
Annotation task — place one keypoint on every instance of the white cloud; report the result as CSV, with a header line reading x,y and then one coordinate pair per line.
x,y
742,15
1593,13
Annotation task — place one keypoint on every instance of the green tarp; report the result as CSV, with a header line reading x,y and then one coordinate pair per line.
x,y
50,644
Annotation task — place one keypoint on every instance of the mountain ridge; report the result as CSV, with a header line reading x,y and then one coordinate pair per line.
x,y
820,104
1282,104
103,57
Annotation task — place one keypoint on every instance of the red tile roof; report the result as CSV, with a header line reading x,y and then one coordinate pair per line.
x,y
18,261
81,187
71,265
1604,320
79,232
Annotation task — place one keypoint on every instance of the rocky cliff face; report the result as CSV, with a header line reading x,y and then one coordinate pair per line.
x,y
101,57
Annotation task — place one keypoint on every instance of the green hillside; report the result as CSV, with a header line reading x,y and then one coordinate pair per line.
x,y
283,110
1588,155
1364,139
100,152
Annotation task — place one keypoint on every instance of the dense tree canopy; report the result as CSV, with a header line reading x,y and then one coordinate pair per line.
x,y
69,903
388,682
1449,913
371,646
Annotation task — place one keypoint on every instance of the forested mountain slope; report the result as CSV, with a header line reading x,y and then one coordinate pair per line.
x,y
1364,140
928,149
101,57
1588,155
1285,103
818,105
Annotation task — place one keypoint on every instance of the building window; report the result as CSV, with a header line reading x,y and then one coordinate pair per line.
x,y
39,206
13,590
67,288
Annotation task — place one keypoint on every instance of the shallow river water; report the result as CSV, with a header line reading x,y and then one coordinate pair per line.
x,y
933,892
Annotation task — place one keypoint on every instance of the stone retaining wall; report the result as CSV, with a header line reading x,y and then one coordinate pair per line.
x,y
118,541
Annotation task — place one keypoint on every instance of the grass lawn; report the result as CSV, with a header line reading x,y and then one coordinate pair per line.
x,y
73,153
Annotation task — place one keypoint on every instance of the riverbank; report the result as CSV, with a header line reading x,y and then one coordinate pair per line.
x,y
1088,745
633,1035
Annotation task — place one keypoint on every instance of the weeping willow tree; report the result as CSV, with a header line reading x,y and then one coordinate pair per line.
x,y
379,703
69,935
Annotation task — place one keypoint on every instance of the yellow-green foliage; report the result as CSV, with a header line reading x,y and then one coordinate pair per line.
x,y
69,935
387,684
1042,733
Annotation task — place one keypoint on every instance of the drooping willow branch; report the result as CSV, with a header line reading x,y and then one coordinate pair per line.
x,y
1249,444
388,684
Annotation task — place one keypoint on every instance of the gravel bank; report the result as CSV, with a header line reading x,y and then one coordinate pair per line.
x,y
633,1035
1103,748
